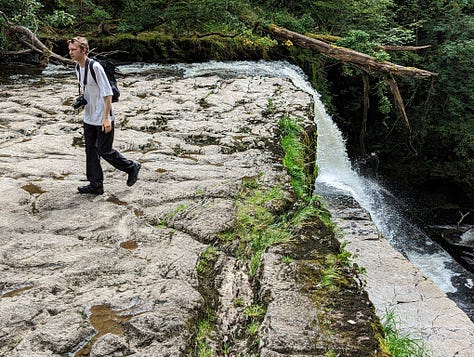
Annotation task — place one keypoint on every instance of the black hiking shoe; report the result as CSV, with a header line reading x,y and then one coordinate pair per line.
x,y
91,189
133,174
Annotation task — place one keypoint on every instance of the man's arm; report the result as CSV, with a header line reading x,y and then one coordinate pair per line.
x,y
106,124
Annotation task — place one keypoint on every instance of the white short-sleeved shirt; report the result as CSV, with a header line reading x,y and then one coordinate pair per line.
x,y
94,93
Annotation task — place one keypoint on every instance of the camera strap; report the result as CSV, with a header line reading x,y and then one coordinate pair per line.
x,y
86,71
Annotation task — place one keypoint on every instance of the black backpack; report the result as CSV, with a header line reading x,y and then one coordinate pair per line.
x,y
110,71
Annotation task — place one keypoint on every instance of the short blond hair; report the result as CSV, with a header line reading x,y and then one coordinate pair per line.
x,y
82,41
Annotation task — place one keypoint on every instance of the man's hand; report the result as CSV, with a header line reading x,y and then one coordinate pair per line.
x,y
106,125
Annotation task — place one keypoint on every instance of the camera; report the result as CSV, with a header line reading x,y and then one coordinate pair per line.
x,y
80,102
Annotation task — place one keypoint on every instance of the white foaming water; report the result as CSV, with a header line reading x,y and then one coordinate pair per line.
x,y
57,70
433,265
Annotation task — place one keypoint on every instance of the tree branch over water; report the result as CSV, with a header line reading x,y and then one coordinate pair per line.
x,y
363,61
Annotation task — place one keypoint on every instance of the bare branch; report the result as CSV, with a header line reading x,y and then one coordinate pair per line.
x,y
18,53
332,39
404,48
462,218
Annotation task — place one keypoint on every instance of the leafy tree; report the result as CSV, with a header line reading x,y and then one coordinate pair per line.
x,y
185,16
28,15
360,41
336,17
10,8
60,18
449,27
34,14
141,15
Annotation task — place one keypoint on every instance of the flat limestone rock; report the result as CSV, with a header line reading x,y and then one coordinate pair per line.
x,y
132,251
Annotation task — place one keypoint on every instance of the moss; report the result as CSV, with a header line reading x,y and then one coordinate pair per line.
x,y
257,226
205,326
341,301
299,146
324,269
323,37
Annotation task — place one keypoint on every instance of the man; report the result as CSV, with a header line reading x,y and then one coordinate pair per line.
x,y
98,121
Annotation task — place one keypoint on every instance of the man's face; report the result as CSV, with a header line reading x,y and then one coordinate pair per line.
x,y
75,51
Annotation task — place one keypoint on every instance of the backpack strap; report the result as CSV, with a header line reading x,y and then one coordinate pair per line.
x,y
91,65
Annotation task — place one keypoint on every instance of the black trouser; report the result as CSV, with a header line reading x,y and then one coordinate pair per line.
x,y
99,144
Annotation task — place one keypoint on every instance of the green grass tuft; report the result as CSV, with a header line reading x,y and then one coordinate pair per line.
x,y
402,344
294,159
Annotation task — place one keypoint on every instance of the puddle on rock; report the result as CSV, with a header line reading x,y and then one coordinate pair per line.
x,y
186,156
161,171
138,212
33,189
104,320
129,244
148,149
16,291
115,200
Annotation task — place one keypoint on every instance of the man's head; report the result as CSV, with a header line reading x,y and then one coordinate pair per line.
x,y
78,48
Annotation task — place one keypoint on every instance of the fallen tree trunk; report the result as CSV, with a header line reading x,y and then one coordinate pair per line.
x,y
27,38
363,61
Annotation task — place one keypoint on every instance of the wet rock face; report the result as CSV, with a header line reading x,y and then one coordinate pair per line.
x,y
115,274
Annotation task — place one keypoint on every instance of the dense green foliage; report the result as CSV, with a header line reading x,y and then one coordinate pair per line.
x,y
448,26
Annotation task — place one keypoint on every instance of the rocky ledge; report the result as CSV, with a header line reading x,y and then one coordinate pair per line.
x,y
144,270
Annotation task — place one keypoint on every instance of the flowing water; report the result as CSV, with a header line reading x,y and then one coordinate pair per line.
x,y
337,177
